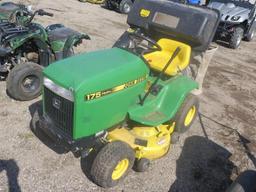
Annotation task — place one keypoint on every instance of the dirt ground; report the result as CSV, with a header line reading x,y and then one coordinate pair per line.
x,y
220,144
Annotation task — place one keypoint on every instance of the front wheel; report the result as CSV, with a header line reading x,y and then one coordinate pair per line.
x,y
24,81
251,34
125,6
186,114
112,164
236,37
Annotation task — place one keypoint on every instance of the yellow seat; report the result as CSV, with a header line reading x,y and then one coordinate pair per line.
x,y
158,59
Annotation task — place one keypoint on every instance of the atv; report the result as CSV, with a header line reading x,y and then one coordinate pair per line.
x,y
123,6
27,47
125,105
238,20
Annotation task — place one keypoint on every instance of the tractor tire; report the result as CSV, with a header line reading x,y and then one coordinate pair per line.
x,y
236,38
112,164
175,138
250,35
142,165
186,114
24,81
125,6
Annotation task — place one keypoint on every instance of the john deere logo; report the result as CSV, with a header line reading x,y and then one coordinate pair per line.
x,y
144,13
56,103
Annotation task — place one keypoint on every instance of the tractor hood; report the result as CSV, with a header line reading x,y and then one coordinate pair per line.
x,y
233,12
97,71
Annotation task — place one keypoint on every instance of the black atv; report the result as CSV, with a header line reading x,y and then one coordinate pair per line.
x,y
27,47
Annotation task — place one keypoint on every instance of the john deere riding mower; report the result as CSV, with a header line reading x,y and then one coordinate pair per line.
x,y
27,47
128,103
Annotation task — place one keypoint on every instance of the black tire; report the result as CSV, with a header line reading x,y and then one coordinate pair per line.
x,y
190,102
245,182
16,84
142,165
106,161
236,38
108,5
175,137
251,34
125,6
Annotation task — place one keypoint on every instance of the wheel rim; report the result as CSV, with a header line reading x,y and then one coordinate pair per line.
x,y
190,116
30,83
127,8
239,40
120,169
252,35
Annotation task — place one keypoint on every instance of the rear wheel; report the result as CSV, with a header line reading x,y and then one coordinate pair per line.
x,y
236,37
186,114
112,164
24,81
125,6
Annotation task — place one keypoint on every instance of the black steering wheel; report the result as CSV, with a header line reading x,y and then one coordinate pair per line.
x,y
152,46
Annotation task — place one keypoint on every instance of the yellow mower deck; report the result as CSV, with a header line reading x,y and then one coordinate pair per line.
x,y
147,142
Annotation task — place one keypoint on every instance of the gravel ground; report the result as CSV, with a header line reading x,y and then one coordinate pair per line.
x,y
207,158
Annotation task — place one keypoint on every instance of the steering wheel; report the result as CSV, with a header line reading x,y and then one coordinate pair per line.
x,y
152,46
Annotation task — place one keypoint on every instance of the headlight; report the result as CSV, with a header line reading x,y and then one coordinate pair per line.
x,y
67,94
235,18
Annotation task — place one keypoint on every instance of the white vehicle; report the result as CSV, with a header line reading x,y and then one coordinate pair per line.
x,y
238,20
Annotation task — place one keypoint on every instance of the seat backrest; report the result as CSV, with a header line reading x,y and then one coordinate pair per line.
x,y
158,59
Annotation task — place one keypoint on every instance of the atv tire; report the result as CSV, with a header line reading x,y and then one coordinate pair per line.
x,y
251,34
24,81
108,5
106,163
236,38
183,120
125,6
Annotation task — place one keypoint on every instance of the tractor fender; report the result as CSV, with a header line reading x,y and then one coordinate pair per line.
x,y
72,41
163,107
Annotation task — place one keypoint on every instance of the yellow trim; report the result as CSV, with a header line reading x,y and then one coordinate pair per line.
x,y
130,30
158,139
144,13
190,116
126,85
158,59
120,169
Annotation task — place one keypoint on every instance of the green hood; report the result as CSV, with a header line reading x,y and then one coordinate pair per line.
x,y
97,71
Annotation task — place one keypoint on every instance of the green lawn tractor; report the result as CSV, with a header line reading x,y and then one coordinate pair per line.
x,y
27,47
127,104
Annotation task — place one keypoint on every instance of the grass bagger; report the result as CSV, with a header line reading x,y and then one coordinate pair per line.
x,y
125,105
26,47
